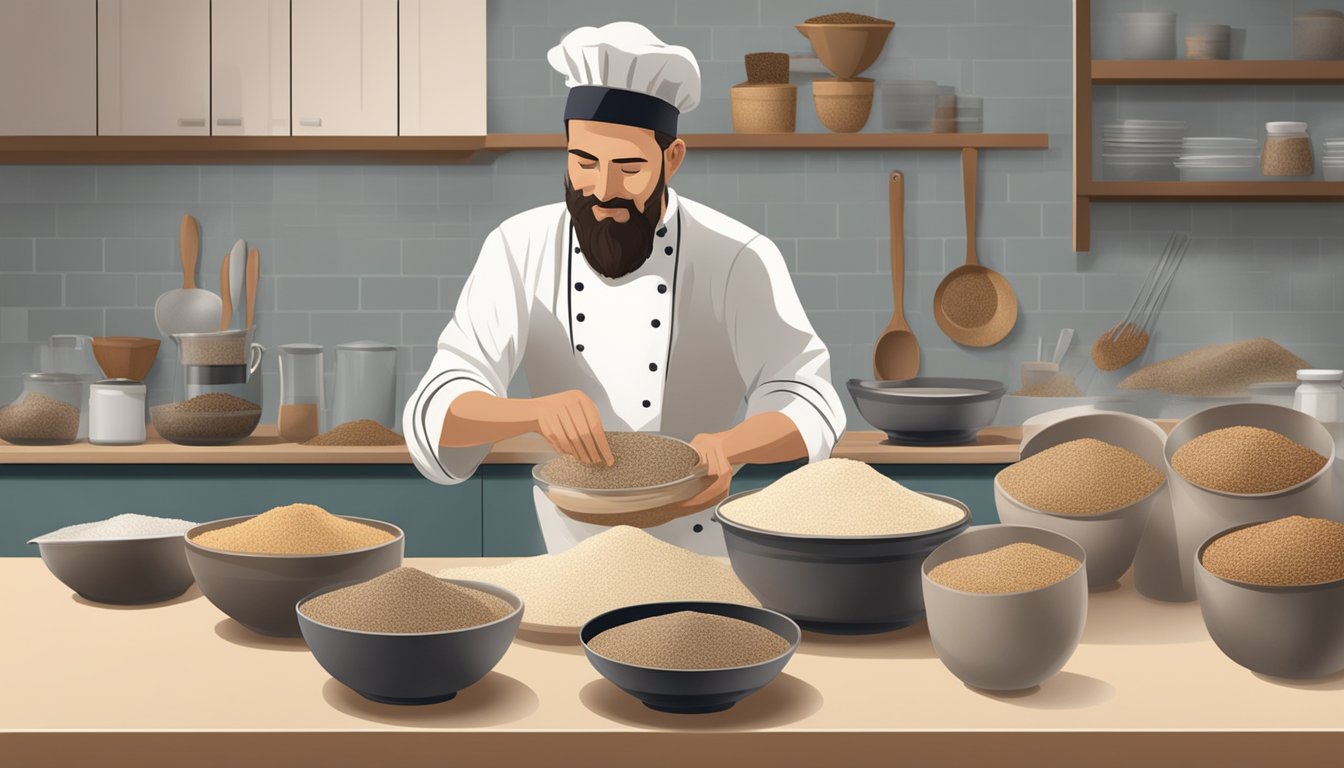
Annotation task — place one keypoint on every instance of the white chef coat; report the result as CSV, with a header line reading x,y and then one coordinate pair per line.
x,y
710,320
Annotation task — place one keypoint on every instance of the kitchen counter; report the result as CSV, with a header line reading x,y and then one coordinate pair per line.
x,y
995,445
179,684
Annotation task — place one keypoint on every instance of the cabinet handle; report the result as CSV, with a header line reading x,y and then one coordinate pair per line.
x,y
191,122
229,121
310,122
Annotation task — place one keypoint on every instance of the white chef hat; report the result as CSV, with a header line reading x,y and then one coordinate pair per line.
x,y
622,73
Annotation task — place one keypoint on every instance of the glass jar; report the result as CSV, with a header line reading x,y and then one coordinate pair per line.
x,y
117,412
301,396
49,412
366,383
1287,150
1320,395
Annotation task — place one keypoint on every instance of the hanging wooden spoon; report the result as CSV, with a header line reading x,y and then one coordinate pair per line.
x,y
896,355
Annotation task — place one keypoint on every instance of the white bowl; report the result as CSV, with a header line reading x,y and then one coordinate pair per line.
x,y
1281,127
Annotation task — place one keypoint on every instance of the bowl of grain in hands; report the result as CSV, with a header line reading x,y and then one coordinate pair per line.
x,y
690,657
1245,463
124,560
1094,478
836,546
407,637
255,568
651,473
212,418
1272,595
1006,604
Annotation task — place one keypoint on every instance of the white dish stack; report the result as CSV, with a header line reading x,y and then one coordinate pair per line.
x,y
1142,150
1333,163
1219,158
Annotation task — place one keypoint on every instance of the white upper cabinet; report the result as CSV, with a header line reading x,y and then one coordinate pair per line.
x,y
48,68
249,68
153,67
442,67
344,67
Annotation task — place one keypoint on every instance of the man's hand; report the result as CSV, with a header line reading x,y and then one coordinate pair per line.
x,y
718,471
570,423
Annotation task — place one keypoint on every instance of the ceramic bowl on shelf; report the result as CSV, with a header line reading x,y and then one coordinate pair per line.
x,y
411,667
125,357
847,49
843,106
260,591
928,410
690,691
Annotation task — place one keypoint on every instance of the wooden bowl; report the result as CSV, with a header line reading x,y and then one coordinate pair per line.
x,y
843,106
125,357
847,49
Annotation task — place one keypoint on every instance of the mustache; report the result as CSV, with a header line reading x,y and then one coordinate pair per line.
x,y
588,202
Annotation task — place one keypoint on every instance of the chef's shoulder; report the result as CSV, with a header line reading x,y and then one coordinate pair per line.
x,y
529,235
731,242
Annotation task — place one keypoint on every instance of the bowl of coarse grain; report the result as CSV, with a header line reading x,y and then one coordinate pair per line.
x,y
928,410
836,546
846,43
407,637
651,473
1006,604
1095,478
1272,595
125,560
255,568
212,418
1245,463
690,657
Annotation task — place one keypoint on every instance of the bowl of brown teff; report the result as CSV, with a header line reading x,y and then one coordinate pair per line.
x,y
690,657
213,418
1006,604
651,472
1272,595
407,637
1094,478
1245,463
255,568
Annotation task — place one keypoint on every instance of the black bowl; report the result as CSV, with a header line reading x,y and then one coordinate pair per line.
x,y
411,667
259,591
841,585
690,691
927,419
121,571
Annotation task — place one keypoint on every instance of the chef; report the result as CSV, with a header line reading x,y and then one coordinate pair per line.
x,y
628,307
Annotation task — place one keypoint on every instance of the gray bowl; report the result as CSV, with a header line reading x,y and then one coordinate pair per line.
x,y
411,667
121,571
1292,632
690,691
845,585
1110,539
1010,641
926,418
1201,512
259,591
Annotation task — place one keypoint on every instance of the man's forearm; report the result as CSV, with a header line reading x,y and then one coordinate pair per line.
x,y
765,438
477,418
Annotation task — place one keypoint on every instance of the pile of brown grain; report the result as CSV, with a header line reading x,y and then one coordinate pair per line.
x,y
296,529
1059,385
228,350
1293,552
844,17
689,640
1219,370
767,68
1114,350
1080,477
406,600
642,459
1017,567
207,417
1246,460
37,417
358,432
970,300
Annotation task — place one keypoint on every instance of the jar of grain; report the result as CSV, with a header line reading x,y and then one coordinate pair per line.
x,y
1287,150
48,412
301,385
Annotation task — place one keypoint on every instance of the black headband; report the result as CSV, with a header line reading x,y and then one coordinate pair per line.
x,y
613,105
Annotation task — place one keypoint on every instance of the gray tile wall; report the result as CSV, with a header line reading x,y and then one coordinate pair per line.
x,y
382,252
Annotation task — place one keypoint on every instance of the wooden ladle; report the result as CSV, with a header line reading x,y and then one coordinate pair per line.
x,y
896,355
974,305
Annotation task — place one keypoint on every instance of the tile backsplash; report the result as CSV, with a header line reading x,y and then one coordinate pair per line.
x,y
381,252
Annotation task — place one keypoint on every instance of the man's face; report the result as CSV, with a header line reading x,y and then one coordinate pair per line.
x,y
614,187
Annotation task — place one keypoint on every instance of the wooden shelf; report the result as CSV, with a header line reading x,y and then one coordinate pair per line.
x,y
1119,72
443,149
1245,191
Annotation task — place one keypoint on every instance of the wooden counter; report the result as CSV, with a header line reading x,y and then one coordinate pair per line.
x,y
178,684
995,445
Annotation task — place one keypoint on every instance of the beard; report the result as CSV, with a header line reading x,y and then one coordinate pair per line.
x,y
615,248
